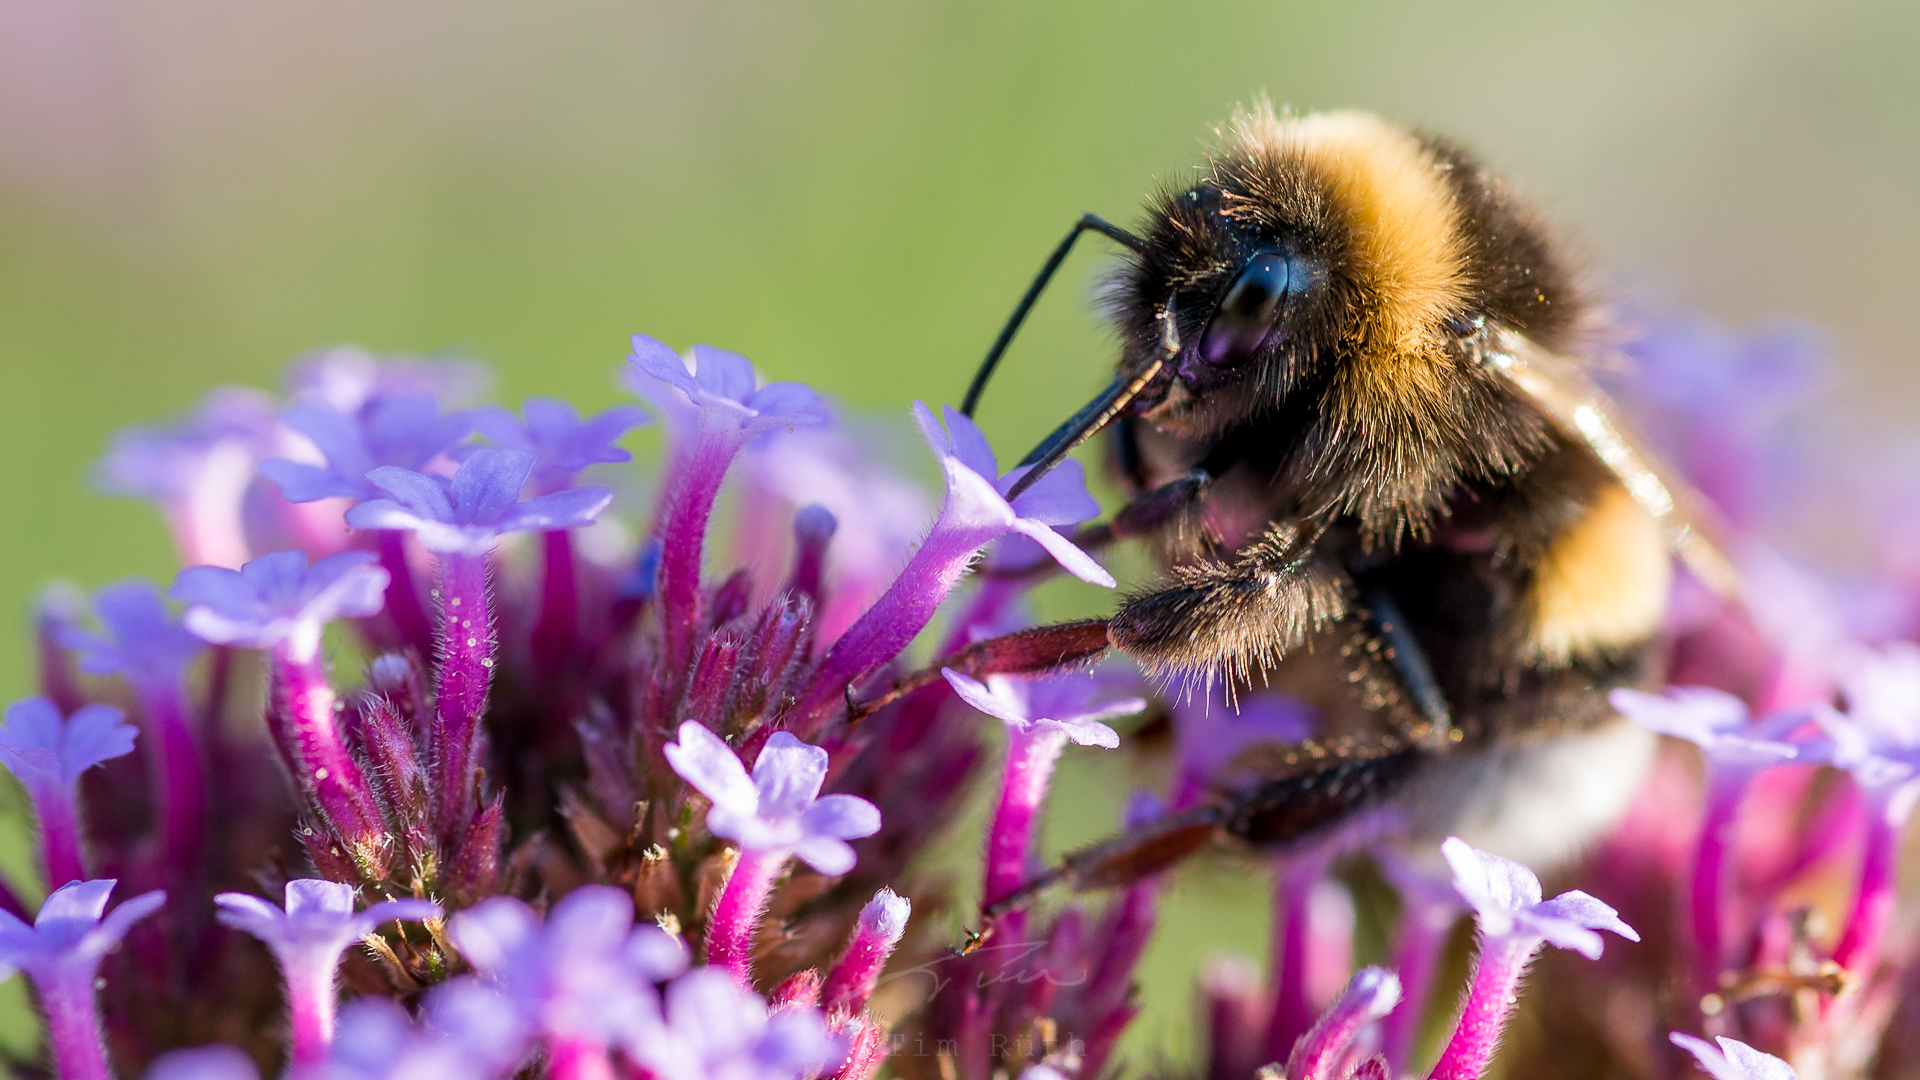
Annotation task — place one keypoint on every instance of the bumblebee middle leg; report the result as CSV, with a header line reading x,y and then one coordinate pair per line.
x,y
1237,617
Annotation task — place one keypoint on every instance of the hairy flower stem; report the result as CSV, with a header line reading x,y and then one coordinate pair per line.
x,y
900,613
1491,996
313,741
73,1025
403,596
465,672
683,533
1873,901
1293,1013
578,1060
1031,757
1725,788
55,807
736,915
559,618
181,781
310,1004
1416,959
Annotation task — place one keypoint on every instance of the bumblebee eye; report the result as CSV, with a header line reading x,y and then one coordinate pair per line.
x,y
1246,315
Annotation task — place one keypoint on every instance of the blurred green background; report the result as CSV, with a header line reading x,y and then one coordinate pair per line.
x,y
852,194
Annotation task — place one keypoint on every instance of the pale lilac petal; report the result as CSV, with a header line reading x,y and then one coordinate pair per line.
x,y
796,1043
571,509
216,1062
1058,498
424,496
655,954
75,903
788,775
844,817
969,445
492,931
300,482
996,699
102,939
661,362
1083,732
591,919
386,514
1072,559
702,759
826,854
722,373
1733,1060
314,896
252,914
489,482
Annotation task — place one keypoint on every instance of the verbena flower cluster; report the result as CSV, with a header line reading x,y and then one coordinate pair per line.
x,y
421,767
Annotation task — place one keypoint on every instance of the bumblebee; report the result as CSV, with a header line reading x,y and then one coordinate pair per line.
x,y
1353,409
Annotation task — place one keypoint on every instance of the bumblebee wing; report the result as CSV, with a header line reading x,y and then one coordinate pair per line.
x,y
1559,387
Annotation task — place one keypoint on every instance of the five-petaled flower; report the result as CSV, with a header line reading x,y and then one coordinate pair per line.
x,y
481,504
583,979
278,599
779,808
1056,704
47,752
564,443
61,952
722,388
142,640
1506,897
402,430
307,937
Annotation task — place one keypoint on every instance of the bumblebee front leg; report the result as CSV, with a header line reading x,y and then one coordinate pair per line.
x,y
1239,616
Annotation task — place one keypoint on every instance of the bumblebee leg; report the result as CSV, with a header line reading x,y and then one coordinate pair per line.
x,y
1236,617
1408,658
1340,778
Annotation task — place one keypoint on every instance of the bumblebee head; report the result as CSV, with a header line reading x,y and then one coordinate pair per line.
x,y
1331,259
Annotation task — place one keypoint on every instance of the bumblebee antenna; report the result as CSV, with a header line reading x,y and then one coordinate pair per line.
x,y
1087,221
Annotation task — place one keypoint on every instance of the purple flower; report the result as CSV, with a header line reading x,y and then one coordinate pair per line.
x,y
722,388
881,925
780,807
1060,497
47,753
308,937
714,1029
278,598
584,976
477,507
1733,1059
61,952
345,378
1055,704
40,747
1041,716
405,431
197,470
215,1062
1715,721
1506,897
1877,738
142,640
1372,994
553,430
